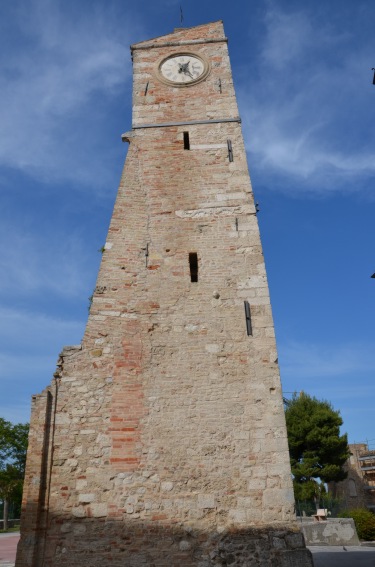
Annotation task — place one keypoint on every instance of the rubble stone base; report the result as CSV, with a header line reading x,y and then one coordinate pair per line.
x,y
115,544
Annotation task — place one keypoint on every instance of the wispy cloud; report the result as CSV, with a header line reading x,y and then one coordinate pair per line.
x,y
342,374
288,34
306,361
30,344
15,369
32,263
51,84
305,106
33,334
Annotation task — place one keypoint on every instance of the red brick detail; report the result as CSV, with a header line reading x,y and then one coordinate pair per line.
x,y
127,408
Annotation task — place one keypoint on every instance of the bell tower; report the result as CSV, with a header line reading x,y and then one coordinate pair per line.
x,y
161,440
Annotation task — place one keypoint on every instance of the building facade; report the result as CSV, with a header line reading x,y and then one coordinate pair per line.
x,y
162,440
358,489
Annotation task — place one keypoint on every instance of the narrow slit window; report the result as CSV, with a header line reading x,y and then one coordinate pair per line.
x,y
186,141
193,262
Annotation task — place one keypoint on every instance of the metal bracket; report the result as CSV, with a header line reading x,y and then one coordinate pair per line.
x,y
146,253
230,150
249,329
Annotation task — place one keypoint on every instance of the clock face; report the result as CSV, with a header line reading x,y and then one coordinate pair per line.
x,y
183,69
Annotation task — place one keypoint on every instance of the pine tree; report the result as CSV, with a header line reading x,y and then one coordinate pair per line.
x,y
317,450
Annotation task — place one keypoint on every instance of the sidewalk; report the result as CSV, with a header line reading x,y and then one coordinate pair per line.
x,y
334,556
8,548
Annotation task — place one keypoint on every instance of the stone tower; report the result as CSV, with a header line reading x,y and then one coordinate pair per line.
x,y
161,440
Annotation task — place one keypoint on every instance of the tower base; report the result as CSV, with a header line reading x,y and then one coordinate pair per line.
x,y
97,543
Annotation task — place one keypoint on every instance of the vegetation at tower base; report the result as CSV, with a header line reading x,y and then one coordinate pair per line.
x,y
13,448
317,450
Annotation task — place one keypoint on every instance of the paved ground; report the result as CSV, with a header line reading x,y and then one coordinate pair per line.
x,y
328,556
8,547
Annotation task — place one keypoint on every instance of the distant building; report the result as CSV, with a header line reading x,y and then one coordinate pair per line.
x,y
358,490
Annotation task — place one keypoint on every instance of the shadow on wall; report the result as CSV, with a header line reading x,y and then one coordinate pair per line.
x,y
97,542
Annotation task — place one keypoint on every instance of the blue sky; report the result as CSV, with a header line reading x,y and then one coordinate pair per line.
x,y
302,71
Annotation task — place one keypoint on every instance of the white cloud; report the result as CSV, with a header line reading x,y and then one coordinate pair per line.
x,y
33,262
303,362
34,333
48,85
287,35
341,374
15,370
305,109
30,344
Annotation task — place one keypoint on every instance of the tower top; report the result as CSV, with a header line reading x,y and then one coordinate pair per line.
x,y
206,33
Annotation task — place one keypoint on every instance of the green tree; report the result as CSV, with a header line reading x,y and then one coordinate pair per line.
x,y
13,448
317,450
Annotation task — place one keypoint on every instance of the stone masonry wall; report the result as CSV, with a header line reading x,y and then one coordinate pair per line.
x,y
169,439
358,489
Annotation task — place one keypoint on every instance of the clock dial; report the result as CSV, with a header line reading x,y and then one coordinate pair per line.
x,y
183,69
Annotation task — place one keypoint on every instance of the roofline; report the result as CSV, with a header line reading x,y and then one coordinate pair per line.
x,y
141,44
177,43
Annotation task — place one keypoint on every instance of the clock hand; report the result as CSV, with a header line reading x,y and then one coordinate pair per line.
x,y
185,69
184,66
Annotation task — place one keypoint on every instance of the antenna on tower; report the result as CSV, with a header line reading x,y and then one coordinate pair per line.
x,y
181,15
